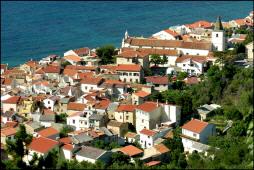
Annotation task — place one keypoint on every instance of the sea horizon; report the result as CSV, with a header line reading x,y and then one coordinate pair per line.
x,y
38,29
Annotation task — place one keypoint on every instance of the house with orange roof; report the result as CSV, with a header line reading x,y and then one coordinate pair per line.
x,y
131,151
132,73
167,34
146,112
51,101
73,59
7,133
91,83
114,88
52,72
11,104
195,134
81,52
133,57
192,64
238,23
70,77
30,66
73,107
160,83
147,138
41,146
126,113
49,132
200,24
156,153
42,87
139,97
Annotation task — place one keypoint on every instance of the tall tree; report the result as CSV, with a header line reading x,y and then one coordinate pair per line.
x,y
106,53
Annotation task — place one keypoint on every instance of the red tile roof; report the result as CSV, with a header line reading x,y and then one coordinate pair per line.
x,y
154,51
76,106
168,43
129,67
92,80
91,68
199,24
161,148
103,104
49,112
171,32
131,150
126,108
51,69
240,21
8,131
12,124
147,106
133,54
148,132
65,140
68,147
199,59
12,100
7,81
191,80
157,79
72,58
32,64
50,131
86,74
152,163
142,94
70,72
195,125
42,145
82,51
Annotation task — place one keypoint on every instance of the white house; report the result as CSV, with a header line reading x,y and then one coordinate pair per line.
x,y
41,146
147,138
78,52
50,102
167,34
91,83
196,131
73,59
42,87
193,65
132,73
147,116
48,60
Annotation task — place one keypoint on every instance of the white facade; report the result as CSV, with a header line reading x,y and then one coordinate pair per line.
x,y
171,114
70,52
87,87
80,121
186,51
147,120
130,76
191,67
163,35
147,141
218,40
81,158
249,50
48,103
67,154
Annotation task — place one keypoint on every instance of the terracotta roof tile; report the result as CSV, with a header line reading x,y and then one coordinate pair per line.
x,y
49,112
152,163
154,51
157,79
51,69
240,21
147,106
103,104
195,125
65,140
171,32
133,54
68,147
131,150
86,74
13,100
126,108
92,80
48,132
76,106
32,64
73,58
142,94
161,148
129,67
12,124
148,132
91,68
70,72
200,59
191,80
7,81
42,145
82,51
8,131
130,135
200,24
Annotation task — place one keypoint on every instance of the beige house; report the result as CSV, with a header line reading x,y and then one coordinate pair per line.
x,y
249,50
139,97
7,133
132,73
126,114
133,57
117,127
11,103
73,107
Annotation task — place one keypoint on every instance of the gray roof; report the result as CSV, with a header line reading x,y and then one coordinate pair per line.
x,y
106,131
34,125
81,138
47,118
96,117
90,152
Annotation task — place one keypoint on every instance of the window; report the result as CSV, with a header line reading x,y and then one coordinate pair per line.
x,y
130,80
141,141
120,117
183,64
130,74
187,53
194,134
217,35
148,136
136,80
86,87
73,121
149,144
142,120
192,65
91,88
127,117
48,102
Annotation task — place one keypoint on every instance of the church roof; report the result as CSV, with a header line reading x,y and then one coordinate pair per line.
x,y
218,24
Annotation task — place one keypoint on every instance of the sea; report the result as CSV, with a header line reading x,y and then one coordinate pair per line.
x,y
32,30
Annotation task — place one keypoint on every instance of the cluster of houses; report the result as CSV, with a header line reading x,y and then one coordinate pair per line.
x,y
108,102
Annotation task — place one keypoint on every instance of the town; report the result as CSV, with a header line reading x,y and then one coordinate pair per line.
x,y
130,107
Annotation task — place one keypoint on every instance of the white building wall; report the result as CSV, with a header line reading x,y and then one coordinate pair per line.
x,y
87,87
162,35
81,158
8,106
48,103
67,154
146,141
200,52
218,40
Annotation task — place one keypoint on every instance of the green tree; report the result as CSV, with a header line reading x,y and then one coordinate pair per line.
x,y
156,59
61,118
106,53
182,75
64,131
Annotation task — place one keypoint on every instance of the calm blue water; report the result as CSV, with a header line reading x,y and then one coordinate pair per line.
x,y
37,29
